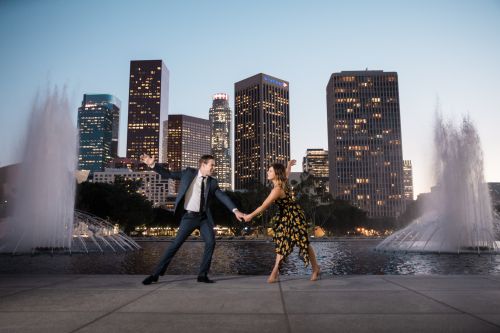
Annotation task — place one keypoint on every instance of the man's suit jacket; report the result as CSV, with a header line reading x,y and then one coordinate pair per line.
x,y
186,177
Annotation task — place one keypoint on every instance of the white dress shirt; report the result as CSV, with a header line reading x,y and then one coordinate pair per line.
x,y
192,199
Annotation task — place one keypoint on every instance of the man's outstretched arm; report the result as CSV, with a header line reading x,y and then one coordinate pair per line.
x,y
226,201
159,168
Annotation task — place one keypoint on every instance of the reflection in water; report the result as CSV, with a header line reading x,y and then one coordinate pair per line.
x,y
338,257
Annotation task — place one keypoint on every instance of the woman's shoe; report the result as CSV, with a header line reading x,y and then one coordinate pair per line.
x,y
316,275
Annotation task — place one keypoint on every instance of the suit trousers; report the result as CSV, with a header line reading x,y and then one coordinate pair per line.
x,y
189,223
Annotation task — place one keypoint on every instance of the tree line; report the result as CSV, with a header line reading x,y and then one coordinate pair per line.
x,y
120,203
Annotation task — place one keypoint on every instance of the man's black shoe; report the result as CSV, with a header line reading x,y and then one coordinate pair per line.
x,y
150,279
205,279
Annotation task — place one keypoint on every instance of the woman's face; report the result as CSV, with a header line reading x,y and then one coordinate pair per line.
x,y
270,173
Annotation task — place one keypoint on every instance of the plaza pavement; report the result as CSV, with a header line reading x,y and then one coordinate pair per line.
x,y
355,303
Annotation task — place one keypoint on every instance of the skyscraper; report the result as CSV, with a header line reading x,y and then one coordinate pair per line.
x,y
147,107
316,164
220,120
164,148
262,128
188,140
98,122
364,141
408,180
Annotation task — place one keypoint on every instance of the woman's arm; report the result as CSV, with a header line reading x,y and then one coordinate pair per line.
x,y
275,194
289,167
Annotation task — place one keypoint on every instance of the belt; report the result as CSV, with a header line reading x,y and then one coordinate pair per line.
x,y
191,213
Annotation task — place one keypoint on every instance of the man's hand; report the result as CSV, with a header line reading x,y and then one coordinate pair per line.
x,y
146,159
247,218
291,163
239,215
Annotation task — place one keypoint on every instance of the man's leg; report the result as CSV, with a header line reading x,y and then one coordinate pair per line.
x,y
187,226
207,232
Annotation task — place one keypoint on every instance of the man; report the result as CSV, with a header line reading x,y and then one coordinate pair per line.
x,y
196,191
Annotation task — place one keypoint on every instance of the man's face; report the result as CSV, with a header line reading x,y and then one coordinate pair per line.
x,y
207,169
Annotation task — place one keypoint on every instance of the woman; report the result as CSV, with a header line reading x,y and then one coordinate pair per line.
x,y
290,227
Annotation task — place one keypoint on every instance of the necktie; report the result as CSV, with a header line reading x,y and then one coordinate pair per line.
x,y
202,195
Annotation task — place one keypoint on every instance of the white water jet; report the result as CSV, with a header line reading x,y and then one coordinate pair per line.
x,y
44,205
459,215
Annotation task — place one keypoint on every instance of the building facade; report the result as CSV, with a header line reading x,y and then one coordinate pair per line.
x,y
123,163
98,123
364,141
164,148
147,108
220,123
262,128
408,180
188,139
315,163
154,188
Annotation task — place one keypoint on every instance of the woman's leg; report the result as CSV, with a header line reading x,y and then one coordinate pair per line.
x,y
314,263
274,274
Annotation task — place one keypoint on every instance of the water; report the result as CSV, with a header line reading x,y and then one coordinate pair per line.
x,y
458,216
341,257
44,219
43,209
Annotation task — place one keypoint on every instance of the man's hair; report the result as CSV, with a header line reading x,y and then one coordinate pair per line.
x,y
205,158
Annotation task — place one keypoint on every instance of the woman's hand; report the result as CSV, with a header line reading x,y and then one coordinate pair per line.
x,y
289,166
247,218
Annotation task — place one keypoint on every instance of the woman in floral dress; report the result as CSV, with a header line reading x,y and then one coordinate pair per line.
x,y
289,224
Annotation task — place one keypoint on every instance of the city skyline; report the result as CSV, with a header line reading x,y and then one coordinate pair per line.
x,y
315,162
147,108
220,117
408,180
261,128
98,130
188,138
364,141
434,48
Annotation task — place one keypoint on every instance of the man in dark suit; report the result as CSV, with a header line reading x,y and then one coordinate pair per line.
x,y
196,191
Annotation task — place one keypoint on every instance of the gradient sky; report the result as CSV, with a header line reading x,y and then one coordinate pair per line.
x,y
441,49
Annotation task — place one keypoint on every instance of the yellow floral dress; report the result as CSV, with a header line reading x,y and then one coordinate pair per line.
x,y
290,228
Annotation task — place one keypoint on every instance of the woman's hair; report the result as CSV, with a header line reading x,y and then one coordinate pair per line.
x,y
280,172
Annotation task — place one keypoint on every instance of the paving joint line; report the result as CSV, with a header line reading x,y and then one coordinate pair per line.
x,y
287,319
443,303
114,310
39,287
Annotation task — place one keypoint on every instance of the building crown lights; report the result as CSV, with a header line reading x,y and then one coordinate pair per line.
x,y
220,96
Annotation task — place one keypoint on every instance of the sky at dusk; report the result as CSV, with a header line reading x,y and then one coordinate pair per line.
x,y
446,50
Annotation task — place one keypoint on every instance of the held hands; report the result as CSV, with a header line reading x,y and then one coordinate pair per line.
x,y
247,218
148,160
291,163
239,215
